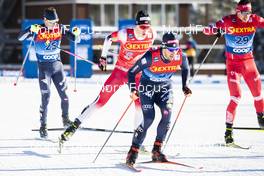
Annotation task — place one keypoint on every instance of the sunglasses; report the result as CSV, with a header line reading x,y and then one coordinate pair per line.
x,y
52,21
246,13
172,49
144,27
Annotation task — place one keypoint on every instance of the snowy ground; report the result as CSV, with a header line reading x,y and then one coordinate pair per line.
x,y
193,142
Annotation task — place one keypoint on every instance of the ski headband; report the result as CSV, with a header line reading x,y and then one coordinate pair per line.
x,y
244,8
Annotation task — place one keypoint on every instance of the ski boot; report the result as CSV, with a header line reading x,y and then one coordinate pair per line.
x,y
70,131
261,119
132,156
157,155
43,131
66,121
229,134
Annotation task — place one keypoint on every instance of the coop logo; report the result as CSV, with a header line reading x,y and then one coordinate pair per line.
x,y
50,57
233,30
137,46
241,50
164,69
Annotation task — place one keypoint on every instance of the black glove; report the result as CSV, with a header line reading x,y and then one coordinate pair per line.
x,y
102,63
220,33
186,91
134,95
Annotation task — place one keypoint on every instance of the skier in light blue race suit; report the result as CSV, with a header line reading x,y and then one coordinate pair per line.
x,y
47,39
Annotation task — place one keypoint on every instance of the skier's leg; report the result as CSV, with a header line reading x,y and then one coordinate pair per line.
x,y
44,85
233,79
59,80
252,78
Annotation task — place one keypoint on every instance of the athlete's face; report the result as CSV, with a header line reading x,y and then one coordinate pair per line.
x,y
170,52
143,29
244,16
50,24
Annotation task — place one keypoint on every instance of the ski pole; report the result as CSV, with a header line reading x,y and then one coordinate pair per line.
x,y
75,69
112,131
197,70
75,55
249,128
24,61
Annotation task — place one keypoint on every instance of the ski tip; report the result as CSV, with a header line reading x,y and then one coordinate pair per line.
x,y
233,145
131,167
60,146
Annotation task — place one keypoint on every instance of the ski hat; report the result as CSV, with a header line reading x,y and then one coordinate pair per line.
x,y
169,40
142,17
244,6
50,14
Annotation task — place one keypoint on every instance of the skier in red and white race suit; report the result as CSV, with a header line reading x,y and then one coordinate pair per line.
x,y
239,30
134,42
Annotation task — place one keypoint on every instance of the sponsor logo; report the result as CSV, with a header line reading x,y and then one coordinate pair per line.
x,y
241,30
137,46
156,59
85,37
50,57
241,50
156,69
49,36
130,36
147,106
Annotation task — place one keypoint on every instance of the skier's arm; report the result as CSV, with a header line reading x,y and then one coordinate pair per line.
x,y
260,21
73,35
185,70
106,46
215,29
140,65
24,34
117,36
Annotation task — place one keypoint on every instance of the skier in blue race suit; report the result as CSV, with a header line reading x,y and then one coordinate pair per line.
x,y
47,38
157,67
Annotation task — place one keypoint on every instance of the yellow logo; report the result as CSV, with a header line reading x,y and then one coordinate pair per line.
x,y
241,30
137,46
49,36
173,68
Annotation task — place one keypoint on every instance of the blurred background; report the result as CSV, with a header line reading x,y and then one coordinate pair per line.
x,y
105,16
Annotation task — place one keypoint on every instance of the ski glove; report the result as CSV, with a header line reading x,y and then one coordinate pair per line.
x,y
220,33
134,95
76,31
186,91
102,63
35,28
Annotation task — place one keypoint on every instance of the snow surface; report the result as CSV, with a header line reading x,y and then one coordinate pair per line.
x,y
200,128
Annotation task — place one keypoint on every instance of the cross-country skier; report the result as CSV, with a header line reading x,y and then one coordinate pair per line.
x,y
47,39
134,42
239,30
157,67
